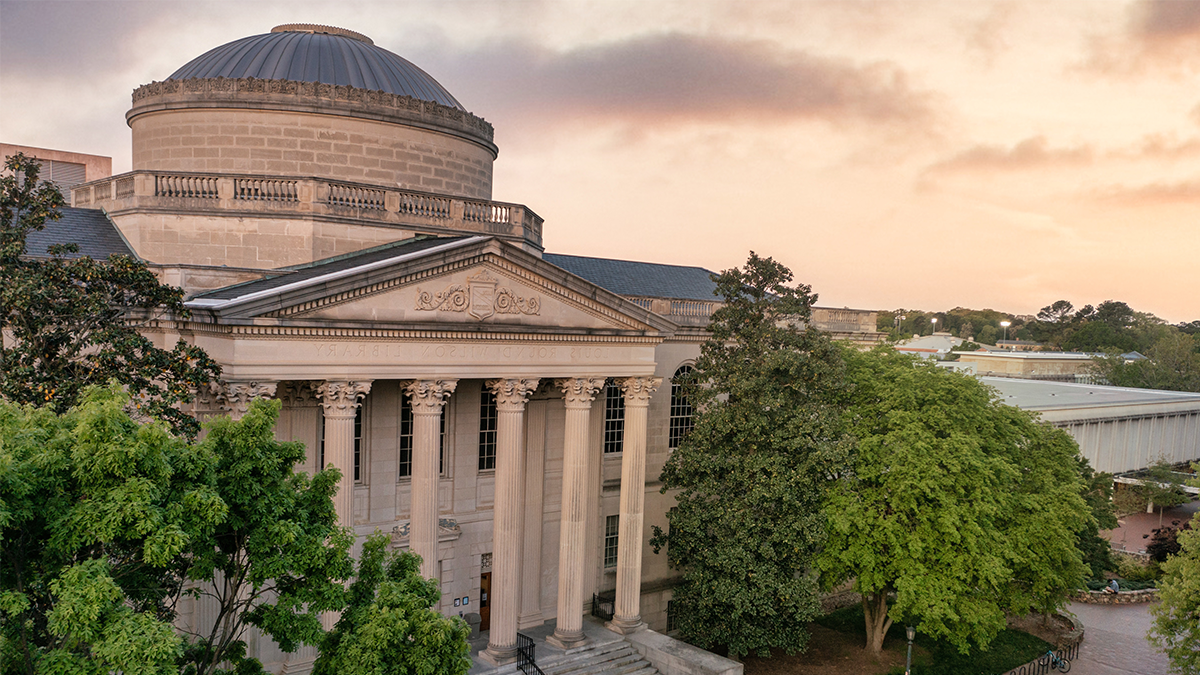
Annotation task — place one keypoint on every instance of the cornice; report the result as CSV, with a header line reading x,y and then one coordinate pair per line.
x,y
401,335
310,97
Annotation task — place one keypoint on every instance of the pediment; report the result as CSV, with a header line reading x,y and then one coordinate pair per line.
x,y
480,295
473,285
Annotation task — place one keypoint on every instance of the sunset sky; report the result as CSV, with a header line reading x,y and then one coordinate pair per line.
x,y
893,154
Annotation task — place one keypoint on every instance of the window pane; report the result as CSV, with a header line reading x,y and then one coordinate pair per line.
x,y
614,418
611,526
487,430
681,410
358,437
406,437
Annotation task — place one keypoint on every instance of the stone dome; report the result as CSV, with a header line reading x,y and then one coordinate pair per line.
x,y
313,53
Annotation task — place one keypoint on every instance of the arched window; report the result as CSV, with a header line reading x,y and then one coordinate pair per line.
x,y
681,409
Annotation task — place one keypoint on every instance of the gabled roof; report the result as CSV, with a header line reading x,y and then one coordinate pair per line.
x,y
639,279
91,229
286,276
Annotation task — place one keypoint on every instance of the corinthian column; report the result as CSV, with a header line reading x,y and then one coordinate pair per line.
x,y
236,396
428,397
578,393
507,517
627,617
339,403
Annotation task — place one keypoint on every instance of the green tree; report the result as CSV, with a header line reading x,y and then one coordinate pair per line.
x,y
73,322
1176,628
751,475
96,514
1098,493
960,506
390,626
1172,363
106,523
279,558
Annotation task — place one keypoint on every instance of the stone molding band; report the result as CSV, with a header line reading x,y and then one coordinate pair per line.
x,y
310,97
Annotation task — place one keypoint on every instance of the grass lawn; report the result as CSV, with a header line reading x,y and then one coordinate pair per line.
x,y
1010,649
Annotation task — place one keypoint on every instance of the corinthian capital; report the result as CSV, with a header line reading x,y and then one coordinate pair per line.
x,y
428,396
638,389
341,399
511,394
299,394
238,395
578,392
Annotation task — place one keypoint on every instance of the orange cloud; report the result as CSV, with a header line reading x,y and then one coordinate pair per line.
x,y
1031,153
1159,35
1151,194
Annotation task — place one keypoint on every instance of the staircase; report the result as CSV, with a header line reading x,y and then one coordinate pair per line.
x,y
611,658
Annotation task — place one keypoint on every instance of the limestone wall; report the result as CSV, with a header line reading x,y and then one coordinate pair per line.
x,y
285,143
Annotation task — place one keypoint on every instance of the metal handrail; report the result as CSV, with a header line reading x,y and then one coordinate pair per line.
x,y
604,605
1041,666
525,660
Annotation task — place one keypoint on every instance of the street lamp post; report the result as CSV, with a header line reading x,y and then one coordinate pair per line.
x,y
911,633
1006,324
933,321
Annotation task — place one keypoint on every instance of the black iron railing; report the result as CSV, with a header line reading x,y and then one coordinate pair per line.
x,y
604,605
525,661
1042,665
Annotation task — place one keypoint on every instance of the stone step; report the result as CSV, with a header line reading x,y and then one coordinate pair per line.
x,y
587,666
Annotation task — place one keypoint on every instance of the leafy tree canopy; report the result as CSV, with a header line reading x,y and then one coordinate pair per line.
x,y
750,476
73,322
1176,627
104,523
390,626
1172,364
962,507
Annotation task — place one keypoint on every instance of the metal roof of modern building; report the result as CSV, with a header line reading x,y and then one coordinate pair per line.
x,y
1048,395
90,229
311,53
639,279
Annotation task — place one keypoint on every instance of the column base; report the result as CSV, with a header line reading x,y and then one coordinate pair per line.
x,y
625,627
499,657
568,641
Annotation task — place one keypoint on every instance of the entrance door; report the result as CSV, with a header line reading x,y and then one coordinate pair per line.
x,y
485,598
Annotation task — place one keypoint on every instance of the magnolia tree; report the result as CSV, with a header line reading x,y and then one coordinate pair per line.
x,y
751,475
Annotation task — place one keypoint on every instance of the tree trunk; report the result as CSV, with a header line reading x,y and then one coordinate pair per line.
x,y
875,612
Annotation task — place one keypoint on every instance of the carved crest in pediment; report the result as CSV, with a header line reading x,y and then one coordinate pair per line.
x,y
481,297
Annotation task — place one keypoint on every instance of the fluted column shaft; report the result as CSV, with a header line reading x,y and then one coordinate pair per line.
x,y
578,394
507,517
339,405
428,397
627,615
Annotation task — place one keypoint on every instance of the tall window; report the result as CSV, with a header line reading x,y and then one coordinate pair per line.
x,y
406,439
487,430
614,418
612,525
681,409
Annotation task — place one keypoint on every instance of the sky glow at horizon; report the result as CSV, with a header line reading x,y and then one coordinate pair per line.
x,y
917,154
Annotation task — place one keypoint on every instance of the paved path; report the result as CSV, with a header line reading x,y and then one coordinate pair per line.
x,y
1114,641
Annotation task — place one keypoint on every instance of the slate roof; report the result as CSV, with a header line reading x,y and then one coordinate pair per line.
x,y
290,275
317,57
639,279
91,229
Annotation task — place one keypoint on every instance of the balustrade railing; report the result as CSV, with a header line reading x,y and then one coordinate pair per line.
x,y
310,195
604,605
192,187
691,308
357,197
125,187
269,190
427,206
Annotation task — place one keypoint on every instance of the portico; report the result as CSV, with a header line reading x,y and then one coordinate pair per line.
x,y
494,326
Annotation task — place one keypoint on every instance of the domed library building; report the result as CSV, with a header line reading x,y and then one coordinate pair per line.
x,y
502,411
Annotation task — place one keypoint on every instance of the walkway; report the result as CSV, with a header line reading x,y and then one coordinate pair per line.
x,y
1114,641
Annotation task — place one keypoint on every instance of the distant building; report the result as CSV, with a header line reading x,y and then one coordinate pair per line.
x,y
1019,345
64,169
1064,366
935,346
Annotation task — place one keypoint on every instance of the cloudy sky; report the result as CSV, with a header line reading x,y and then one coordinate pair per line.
x,y
893,154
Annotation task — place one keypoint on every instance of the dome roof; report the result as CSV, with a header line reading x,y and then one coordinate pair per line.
x,y
311,53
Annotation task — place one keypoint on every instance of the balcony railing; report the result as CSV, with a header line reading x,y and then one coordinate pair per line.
x,y
238,195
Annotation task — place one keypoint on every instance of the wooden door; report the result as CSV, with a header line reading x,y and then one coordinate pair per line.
x,y
485,598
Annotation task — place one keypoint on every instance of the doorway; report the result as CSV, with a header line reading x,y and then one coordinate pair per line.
x,y
485,597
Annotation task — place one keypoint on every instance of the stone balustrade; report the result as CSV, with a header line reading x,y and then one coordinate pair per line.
x,y
238,195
